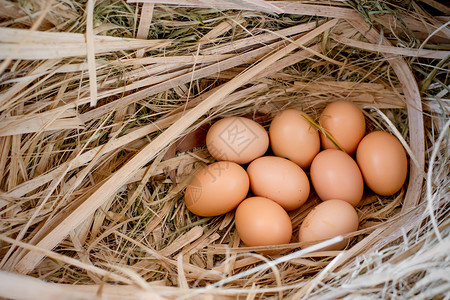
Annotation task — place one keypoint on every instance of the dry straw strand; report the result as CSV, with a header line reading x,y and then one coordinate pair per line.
x,y
90,49
430,197
144,24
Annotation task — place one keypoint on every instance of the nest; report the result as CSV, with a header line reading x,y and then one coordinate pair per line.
x,y
104,107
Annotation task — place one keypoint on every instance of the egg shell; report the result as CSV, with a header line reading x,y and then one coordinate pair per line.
x,y
383,162
280,180
327,220
293,137
335,175
346,124
237,139
217,189
261,222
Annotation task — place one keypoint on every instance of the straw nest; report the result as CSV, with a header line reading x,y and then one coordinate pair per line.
x,y
104,106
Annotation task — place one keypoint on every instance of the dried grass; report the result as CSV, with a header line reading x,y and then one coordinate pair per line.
x,y
95,96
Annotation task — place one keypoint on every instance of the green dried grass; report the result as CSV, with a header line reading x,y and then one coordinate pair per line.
x,y
142,236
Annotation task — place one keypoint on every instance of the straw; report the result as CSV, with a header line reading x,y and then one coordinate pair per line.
x,y
104,107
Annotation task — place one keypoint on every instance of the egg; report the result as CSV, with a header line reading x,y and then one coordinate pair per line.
x,y
280,180
293,137
327,220
237,139
217,189
346,124
261,222
335,175
383,162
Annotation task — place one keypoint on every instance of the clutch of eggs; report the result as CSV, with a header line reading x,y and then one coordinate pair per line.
x,y
270,186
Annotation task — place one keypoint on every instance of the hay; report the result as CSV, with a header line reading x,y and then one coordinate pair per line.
x,y
95,100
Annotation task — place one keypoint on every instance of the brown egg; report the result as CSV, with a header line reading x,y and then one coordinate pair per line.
x,y
346,124
328,220
237,139
280,180
217,189
293,137
261,222
383,162
335,175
